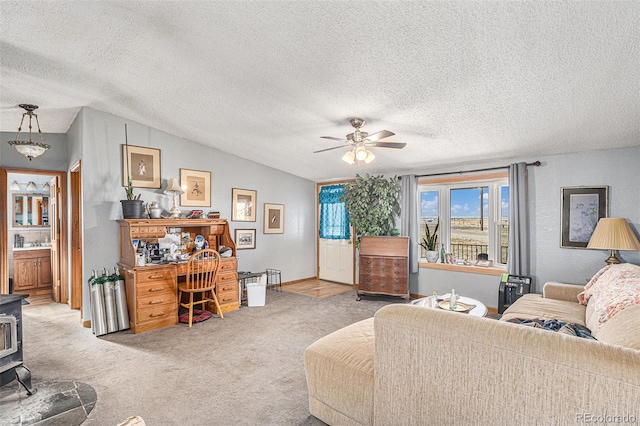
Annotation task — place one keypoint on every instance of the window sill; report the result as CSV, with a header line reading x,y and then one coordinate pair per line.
x,y
484,270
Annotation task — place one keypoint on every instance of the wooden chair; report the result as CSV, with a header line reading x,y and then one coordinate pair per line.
x,y
202,273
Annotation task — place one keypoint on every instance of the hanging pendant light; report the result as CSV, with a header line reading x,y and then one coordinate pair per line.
x,y
46,186
15,186
29,148
31,186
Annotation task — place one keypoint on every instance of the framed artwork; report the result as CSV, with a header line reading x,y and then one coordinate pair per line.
x,y
273,218
582,207
196,185
143,165
243,205
245,239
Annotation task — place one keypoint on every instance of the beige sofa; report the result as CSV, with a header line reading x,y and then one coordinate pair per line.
x,y
412,365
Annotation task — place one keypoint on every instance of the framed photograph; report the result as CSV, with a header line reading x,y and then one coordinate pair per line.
x,y
197,188
273,218
243,205
582,207
245,239
143,165
448,258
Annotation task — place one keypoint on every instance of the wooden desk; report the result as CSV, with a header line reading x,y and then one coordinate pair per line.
x,y
152,290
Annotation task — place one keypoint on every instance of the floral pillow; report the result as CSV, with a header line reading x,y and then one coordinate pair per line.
x,y
612,289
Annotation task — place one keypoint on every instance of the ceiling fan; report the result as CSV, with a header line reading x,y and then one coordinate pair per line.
x,y
359,143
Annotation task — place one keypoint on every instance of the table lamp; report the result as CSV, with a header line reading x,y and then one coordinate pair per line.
x,y
613,234
173,187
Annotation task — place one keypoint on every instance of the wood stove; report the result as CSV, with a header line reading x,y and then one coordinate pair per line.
x,y
11,366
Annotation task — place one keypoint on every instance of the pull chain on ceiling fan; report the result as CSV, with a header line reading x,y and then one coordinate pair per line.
x,y
359,143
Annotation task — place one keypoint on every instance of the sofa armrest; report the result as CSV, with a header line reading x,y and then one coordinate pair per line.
x,y
561,291
438,367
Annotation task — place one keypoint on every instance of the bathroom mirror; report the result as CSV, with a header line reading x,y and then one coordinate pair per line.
x,y
30,210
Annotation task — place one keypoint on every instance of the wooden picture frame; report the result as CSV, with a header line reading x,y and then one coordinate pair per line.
x,y
273,218
582,207
245,239
196,185
143,164
243,205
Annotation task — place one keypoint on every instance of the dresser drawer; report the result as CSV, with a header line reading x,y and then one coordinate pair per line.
x,y
156,313
155,275
227,278
226,297
156,300
228,264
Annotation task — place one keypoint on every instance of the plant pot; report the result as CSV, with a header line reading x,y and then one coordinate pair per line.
x,y
131,209
432,256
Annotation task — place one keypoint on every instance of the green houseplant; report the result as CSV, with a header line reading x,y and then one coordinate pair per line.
x,y
430,242
372,203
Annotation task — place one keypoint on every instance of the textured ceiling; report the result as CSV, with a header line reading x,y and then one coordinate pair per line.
x,y
457,81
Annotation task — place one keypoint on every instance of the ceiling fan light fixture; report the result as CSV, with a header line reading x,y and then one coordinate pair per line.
x,y
349,157
369,158
361,153
29,148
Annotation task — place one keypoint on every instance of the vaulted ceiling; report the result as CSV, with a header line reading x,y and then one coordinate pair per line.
x,y
459,81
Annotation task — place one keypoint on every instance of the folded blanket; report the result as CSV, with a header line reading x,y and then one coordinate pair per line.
x,y
570,328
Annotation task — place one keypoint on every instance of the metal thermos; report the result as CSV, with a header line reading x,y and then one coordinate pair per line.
x,y
109,301
98,319
121,300
92,278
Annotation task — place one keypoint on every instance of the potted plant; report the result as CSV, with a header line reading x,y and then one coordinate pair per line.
x,y
132,206
430,242
372,204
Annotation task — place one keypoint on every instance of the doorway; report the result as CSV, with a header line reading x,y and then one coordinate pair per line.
x,y
59,261
336,252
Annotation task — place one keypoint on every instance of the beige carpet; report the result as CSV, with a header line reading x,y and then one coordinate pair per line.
x,y
245,369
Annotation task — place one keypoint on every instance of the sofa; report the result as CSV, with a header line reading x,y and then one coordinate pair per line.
x,y
412,365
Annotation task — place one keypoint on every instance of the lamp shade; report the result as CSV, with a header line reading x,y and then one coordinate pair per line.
x,y
613,234
15,186
349,157
173,187
31,186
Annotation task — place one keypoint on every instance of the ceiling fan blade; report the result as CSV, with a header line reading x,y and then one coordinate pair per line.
x,y
334,139
379,135
395,145
329,149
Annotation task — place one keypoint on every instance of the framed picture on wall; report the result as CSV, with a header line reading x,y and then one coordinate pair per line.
x,y
243,205
582,207
143,165
245,239
197,188
273,218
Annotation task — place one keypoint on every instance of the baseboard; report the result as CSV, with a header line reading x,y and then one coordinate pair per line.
x,y
299,281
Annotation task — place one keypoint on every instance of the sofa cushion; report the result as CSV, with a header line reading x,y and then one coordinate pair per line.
x,y
339,371
532,306
611,290
623,329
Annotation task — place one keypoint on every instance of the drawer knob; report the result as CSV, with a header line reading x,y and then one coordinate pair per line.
x,y
158,314
154,289
156,302
155,277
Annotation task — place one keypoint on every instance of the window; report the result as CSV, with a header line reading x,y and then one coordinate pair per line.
x,y
473,214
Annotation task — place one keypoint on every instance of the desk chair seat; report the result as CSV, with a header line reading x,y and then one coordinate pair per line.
x,y
202,272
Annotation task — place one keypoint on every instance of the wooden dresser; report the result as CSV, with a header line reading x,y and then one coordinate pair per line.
x,y
152,290
384,266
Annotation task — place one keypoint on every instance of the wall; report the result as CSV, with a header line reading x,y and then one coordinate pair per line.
x,y
102,135
617,168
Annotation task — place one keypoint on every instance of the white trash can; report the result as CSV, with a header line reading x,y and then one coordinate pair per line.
x,y
257,292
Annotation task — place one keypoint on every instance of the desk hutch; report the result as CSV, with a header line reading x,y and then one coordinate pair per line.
x,y
152,293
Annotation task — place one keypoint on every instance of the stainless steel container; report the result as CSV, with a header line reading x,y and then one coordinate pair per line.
x,y
121,301
98,319
110,303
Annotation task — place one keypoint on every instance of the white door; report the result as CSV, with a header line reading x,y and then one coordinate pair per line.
x,y
335,256
336,260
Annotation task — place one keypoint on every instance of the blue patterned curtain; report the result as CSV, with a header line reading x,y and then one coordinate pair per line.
x,y
334,219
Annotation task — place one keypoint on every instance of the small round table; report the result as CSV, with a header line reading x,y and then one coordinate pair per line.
x,y
479,311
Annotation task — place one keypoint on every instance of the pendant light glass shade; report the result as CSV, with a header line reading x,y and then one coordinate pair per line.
x,y
46,186
349,157
15,186
361,153
31,186
29,148
369,157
